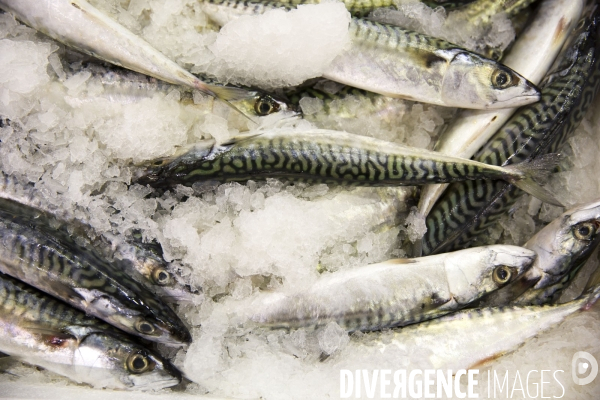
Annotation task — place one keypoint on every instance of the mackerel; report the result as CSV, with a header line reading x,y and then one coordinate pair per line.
x,y
40,330
471,337
30,251
400,63
472,129
395,292
322,156
78,24
467,209
562,246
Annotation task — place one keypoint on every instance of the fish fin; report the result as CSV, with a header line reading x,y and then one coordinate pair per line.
x,y
417,250
536,170
52,337
2,355
400,261
230,93
236,139
486,361
591,295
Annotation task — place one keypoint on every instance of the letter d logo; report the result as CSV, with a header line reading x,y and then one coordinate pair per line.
x,y
580,367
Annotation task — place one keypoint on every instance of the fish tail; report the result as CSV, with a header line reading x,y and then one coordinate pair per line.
x,y
536,170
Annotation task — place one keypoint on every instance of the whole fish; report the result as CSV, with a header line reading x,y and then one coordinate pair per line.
x,y
78,24
395,292
466,210
125,86
471,337
395,62
29,251
562,246
40,330
322,156
472,129
25,201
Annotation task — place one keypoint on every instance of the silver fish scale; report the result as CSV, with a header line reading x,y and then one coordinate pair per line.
x,y
467,209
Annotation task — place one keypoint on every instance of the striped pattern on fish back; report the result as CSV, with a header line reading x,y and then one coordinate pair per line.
x,y
370,33
294,95
22,303
25,249
468,209
484,10
358,8
336,159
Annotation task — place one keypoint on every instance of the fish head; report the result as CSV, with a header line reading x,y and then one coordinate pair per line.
x,y
261,104
475,82
474,272
112,361
565,243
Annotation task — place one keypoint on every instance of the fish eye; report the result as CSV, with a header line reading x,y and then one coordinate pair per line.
x,y
138,363
502,275
266,105
161,276
502,79
144,327
584,231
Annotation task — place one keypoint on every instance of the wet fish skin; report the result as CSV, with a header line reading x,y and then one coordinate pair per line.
x,y
322,156
395,292
562,246
142,263
472,129
126,86
492,333
40,330
400,63
78,24
466,210
80,277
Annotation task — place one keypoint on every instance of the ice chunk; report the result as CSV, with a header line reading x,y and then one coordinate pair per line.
x,y
266,49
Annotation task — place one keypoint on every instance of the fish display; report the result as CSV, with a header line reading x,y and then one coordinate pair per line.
x,y
76,275
242,258
467,209
472,129
322,156
41,330
396,292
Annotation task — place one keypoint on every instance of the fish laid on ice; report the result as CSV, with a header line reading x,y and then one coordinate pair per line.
x,y
395,62
396,292
78,24
30,252
40,330
322,156
466,210
472,129
473,336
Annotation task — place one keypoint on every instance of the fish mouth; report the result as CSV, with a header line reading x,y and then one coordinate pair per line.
x,y
517,101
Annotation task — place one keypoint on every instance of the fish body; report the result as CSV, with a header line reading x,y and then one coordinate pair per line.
x,y
321,156
142,263
466,210
78,24
124,86
396,292
30,251
473,336
472,129
562,246
40,330
395,62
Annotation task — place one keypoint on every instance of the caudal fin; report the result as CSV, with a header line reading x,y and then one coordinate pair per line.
x,y
536,170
